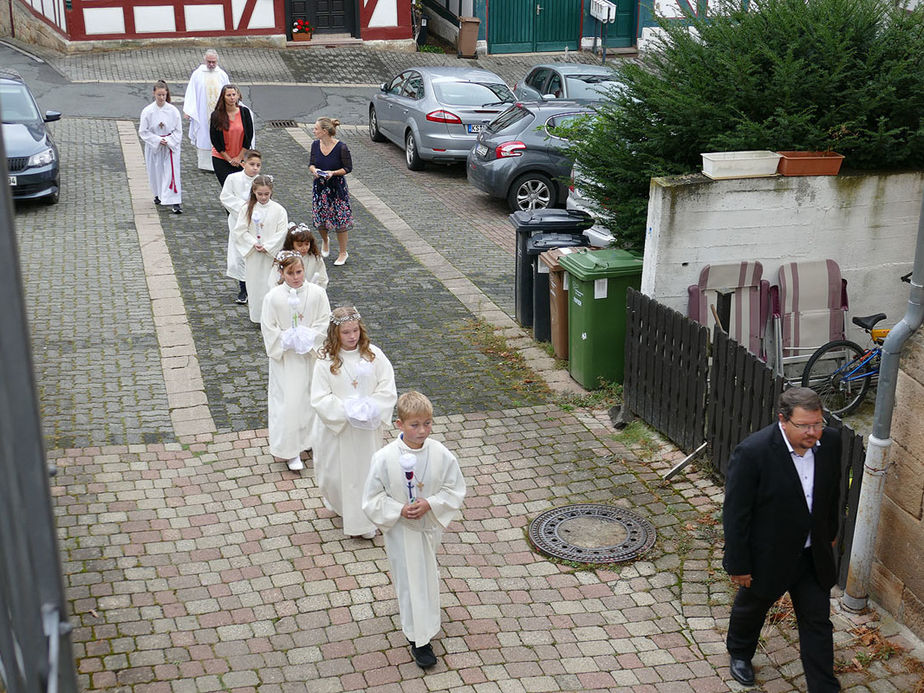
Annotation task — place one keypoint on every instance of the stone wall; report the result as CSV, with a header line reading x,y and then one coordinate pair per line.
x,y
897,577
867,223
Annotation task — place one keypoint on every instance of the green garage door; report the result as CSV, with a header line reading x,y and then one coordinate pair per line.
x,y
525,26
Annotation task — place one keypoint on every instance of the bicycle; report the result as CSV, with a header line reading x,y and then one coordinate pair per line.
x,y
842,371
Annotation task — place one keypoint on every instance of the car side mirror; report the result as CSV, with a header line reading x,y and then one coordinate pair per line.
x,y
51,116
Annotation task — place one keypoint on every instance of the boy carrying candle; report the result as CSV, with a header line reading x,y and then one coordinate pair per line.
x,y
414,490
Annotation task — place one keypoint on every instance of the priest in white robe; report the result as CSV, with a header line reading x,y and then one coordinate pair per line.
x,y
202,94
161,130
294,318
412,542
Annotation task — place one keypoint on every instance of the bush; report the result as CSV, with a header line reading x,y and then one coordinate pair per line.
x,y
844,75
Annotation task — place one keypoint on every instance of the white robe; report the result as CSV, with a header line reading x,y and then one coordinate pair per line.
x,y
315,271
202,94
343,452
411,545
272,227
234,196
291,418
162,161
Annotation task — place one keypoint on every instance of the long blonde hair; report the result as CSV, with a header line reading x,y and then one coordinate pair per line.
x,y
332,346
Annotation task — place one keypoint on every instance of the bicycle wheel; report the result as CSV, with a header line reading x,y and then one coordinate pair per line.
x,y
835,373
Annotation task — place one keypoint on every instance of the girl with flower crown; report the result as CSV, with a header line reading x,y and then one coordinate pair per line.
x,y
294,321
258,236
353,394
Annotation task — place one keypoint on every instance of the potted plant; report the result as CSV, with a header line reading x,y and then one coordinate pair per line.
x,y
302,30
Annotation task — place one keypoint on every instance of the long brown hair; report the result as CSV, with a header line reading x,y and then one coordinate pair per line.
x,y
301,234
332,346
219,119
161,84
260,181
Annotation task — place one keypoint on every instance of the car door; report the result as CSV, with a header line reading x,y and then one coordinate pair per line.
x,y
530,89
388,112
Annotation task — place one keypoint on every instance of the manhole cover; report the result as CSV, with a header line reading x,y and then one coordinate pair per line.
x,y
592,533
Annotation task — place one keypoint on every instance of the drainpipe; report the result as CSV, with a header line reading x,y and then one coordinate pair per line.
x,y
874,466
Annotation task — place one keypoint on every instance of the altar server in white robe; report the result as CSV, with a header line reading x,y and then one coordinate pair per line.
x,y
258,235
414,490
353,394
202,92
161,130
234,195
294,323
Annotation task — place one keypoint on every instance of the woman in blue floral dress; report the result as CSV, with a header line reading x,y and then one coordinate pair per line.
x,y
329,163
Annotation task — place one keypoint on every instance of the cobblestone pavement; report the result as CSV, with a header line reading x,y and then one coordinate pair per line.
x,y
194,562
96,356
334,66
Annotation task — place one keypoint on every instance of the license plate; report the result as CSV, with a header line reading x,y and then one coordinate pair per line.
x,y
12,180
475,127
481,150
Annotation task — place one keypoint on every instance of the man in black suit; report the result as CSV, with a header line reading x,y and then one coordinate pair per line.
x,y
780,519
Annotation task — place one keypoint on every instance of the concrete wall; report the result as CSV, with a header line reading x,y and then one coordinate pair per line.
x,y
867,223
897,578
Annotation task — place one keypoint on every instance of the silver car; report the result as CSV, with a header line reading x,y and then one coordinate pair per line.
x,y
572,81
435,113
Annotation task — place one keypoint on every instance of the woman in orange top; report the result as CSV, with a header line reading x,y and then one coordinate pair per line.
x,y
231,132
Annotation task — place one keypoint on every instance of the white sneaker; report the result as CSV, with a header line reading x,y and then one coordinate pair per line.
x,y
295,464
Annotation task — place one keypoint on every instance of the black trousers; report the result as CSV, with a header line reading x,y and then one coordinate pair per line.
x,y
223,169
813,615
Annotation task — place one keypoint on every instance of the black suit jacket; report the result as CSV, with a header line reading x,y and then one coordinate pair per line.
x,y
765,517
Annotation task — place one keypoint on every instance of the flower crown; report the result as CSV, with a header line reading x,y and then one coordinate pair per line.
x,y
352,315
286,254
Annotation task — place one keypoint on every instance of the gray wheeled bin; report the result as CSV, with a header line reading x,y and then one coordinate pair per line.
x,y
528,224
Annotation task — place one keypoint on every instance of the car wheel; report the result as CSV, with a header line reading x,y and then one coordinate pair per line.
x,y
531,191
374,133
411,155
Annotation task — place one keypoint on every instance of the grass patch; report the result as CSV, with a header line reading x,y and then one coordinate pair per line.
x,y
512,368
606,396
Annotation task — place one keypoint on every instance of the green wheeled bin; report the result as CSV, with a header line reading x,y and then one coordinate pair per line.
x,y
598,281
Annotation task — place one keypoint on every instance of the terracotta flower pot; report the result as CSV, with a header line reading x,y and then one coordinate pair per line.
x,y
810,163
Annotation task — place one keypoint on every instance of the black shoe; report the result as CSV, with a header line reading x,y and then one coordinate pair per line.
x,y
423,655
156,200
241,298
177,209
741,671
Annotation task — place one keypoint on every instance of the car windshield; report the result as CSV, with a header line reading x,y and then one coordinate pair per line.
x,y
16,105
472,93
589,86
510,119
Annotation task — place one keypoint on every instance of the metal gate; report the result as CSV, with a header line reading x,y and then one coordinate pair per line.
x,y
526,26
35,646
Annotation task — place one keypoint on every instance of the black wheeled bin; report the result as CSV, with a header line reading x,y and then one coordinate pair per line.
x,y
541,242
527,224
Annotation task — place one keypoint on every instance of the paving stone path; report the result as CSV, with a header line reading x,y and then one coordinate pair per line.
x,y
195,562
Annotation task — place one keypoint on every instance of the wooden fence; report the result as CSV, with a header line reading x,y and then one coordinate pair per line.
x,y
670,384
666,370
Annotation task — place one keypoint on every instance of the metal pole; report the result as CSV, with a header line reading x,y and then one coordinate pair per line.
x,y
875,467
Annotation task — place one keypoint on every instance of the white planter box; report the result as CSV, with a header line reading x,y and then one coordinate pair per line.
x,y
755,164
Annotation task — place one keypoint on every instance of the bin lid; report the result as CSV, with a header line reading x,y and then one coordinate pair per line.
x,y
546,241
598,264
561,220
550,258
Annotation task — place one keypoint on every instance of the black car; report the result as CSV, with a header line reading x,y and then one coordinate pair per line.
x,y
32,156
